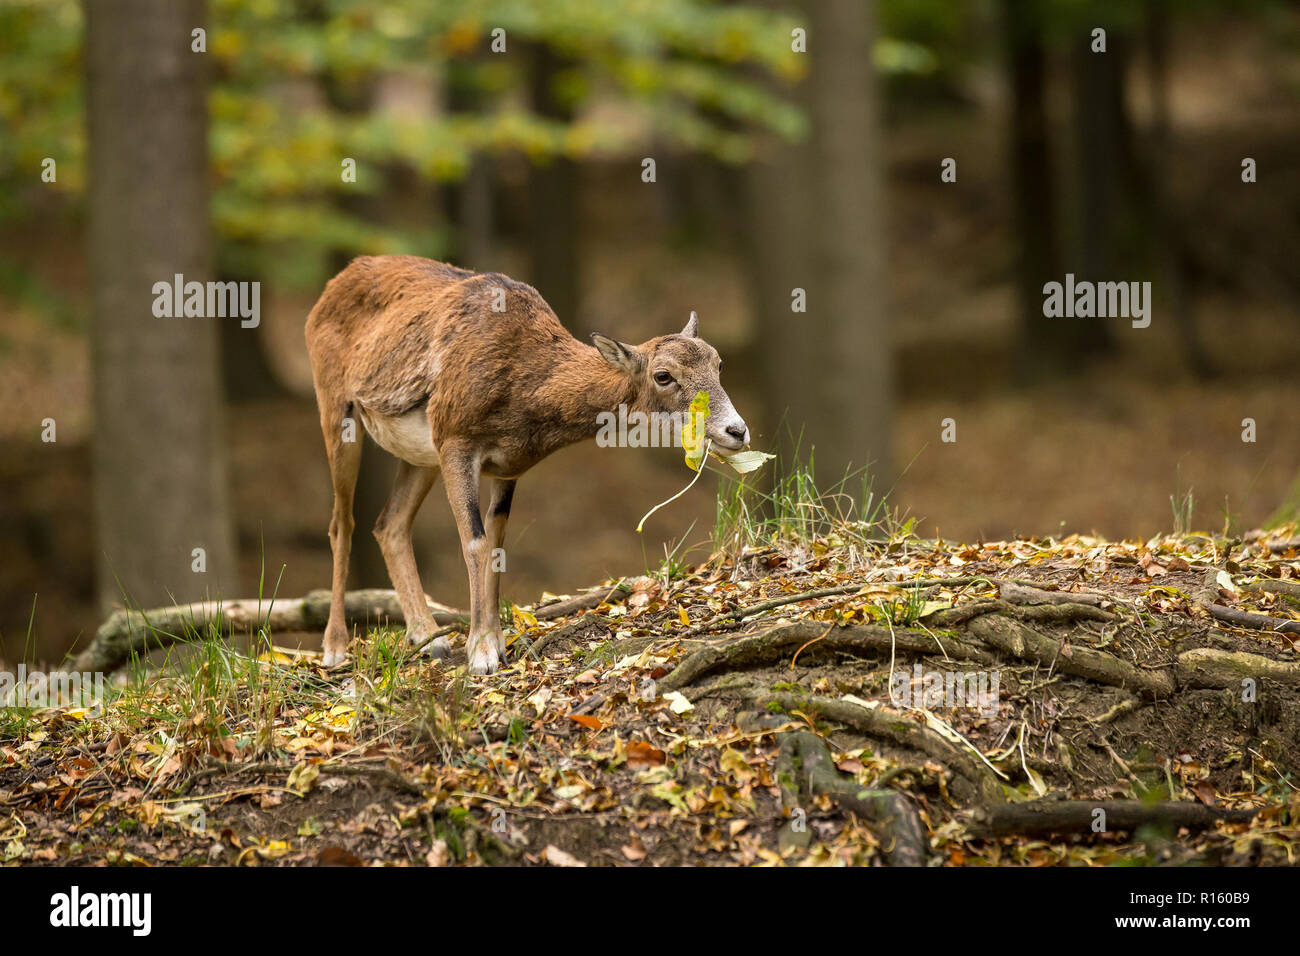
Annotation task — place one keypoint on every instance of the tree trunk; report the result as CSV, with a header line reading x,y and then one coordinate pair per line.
x,y
816,214
1045,346
553,239
156,380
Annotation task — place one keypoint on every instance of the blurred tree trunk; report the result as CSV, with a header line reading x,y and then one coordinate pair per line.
x,y
1046,346
553,239
816,214
159,457
1151,187
1103,160
246,372
470,201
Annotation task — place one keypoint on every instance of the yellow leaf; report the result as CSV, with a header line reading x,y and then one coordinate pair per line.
x,y
303,777
693,430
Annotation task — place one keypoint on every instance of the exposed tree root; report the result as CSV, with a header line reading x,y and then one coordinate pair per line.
x,y
1012,637
1288,589
1017,593
769,647
804,767
1042,817
927,584
574,628
1208,667
973,780
1059,613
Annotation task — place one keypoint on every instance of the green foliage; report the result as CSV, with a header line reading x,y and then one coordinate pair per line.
x,y
40,98
300,85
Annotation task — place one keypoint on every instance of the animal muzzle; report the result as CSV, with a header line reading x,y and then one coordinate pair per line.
x,y
729,432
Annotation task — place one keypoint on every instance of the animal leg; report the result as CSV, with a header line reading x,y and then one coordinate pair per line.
x,y
393,532
461,468
501,492
345,462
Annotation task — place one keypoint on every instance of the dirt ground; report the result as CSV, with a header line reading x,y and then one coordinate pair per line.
x,y
742,711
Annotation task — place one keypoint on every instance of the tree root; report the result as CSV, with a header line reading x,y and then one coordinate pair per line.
x,y
1042,817
1012,637
974,781
1017,593
804,768
771,646
1208,667
928,584
1288,589
1062,613
573,628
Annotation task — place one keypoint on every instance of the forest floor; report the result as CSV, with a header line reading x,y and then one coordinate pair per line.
x,y
1132,710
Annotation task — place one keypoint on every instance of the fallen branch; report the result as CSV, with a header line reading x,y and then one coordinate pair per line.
x,y
804,768
1249,619
584,602
1207,598
131,633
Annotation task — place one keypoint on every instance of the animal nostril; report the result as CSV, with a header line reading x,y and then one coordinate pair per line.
x,y
737,432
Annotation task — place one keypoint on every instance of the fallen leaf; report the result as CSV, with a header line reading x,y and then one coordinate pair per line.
x,y
641,754
337,856
557,857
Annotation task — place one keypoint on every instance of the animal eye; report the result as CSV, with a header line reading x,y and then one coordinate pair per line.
x,y
663,378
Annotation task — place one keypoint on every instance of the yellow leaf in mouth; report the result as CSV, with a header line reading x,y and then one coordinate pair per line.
x,y
693,430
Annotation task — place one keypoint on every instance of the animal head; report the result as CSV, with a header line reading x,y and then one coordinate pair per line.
x,y
668,372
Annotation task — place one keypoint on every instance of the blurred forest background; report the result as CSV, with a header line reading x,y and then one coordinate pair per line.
x,y
795,146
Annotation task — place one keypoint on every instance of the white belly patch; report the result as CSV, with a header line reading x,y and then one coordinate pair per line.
x,y
406,436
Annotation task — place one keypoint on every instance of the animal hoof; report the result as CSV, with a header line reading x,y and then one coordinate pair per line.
x,y
484,659
333,658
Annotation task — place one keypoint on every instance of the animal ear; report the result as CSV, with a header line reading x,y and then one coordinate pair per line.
x,y
692,329
617,354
